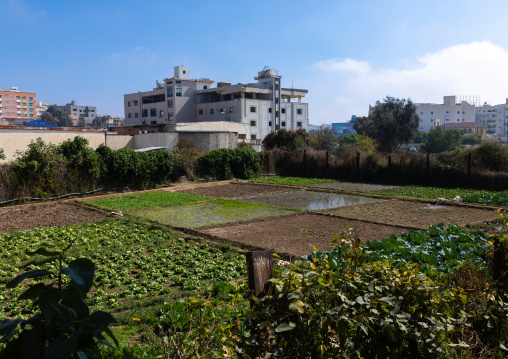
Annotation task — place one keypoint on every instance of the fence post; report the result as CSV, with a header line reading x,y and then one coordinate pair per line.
x,y
469,166
357,162
303,161
428,166
327,168
389,165
259,272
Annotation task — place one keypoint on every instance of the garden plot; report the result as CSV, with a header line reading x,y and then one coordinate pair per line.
x,y
352,187
308,200
208,213
30,216
295,234
235,190
414,214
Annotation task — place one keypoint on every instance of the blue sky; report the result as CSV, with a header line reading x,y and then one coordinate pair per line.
x,y
347,53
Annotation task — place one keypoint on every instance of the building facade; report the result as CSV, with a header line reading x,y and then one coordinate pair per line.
x,y
76,111
433,115
265,105
17,107
495,117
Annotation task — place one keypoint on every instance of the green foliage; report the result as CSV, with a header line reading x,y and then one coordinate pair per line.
x,y
323,139
148,200
63,326
498,198
491,156
420,137
352,142
56,116
433,192
391,123
82,161
472,139
285,139
137,170
289,181
439,140
2,154
224,163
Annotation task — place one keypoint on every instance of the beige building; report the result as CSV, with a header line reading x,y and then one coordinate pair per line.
x,y
264,106
495,117
433,115
467,127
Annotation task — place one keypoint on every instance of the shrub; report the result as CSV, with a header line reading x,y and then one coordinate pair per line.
x,y
224,163
491,156
82,161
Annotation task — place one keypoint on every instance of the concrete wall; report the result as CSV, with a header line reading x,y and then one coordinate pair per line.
x,y
207,141
116,142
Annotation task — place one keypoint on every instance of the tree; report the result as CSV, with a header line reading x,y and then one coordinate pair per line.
x,y
472,139
352,142
391,123
55,116
439,140
284,139
81,121
323,139
100,121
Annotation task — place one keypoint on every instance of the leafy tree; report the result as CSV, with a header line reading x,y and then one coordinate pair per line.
x,y
323,139
391,123
472,139
55,116
353,142
439,140
420,137
100,121
81,121
2,154
348,139
285,139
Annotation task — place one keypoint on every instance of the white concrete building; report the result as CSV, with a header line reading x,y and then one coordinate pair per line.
x,y
264,106
433,115
495,117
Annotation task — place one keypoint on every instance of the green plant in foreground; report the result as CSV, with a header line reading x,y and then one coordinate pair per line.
x,y
64,328
289,181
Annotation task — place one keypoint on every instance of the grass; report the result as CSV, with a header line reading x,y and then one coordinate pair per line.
x,y
431,192
148,200
289,181
209,213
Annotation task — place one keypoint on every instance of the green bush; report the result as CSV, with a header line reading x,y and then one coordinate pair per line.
x,y
491,156
224,163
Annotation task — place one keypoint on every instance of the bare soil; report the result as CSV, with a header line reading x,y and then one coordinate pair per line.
x,y
236,190
295,234
59,213
414,214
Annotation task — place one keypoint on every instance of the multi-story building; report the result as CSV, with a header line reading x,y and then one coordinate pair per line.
x,y
75,111
17,107
495,117
433,115
265,106
344,128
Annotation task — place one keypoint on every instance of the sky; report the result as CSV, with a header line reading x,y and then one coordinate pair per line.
x,y
346,53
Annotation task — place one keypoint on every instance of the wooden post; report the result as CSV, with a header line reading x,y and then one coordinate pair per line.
x,y
304,160
428,166
389,165
259,272
327,168
357,162
469,166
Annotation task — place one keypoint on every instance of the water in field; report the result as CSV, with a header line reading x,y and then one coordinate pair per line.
x,y
308,200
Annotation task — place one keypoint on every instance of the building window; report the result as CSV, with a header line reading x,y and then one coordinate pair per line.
x,y
458,112
298,111
136,114
283,124
153,112
135,103
144,112
282,110
431,113
170,103
231,109
179,91
270,124
421,113
170,91
276,113
252,109
170,82
129,103
253,123
447,111
270,110
129,115
211,111
298,124
205,87
252,137
200,111
178,82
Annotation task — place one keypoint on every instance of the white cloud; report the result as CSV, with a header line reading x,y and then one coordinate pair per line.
x,y
342,88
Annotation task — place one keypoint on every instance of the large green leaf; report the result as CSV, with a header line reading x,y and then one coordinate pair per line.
x,y
30,274
283,327
61,348
33,292
81,271
97,321
64,315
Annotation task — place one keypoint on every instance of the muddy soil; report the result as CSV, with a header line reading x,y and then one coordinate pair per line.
x,y
235,190
30,216
351,187
414,214
295,234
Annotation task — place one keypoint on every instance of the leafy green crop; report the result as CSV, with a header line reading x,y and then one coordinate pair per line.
x,y
148,200
431,192
133,262
289,181
499,198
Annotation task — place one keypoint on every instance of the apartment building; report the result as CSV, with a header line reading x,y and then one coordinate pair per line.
x,y
264,105
433,115
495,117
17,107
75,111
